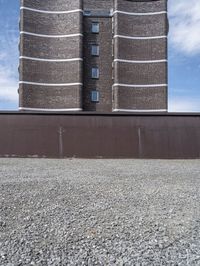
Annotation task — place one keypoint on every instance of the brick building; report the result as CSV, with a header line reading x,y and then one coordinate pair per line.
x,y
93,55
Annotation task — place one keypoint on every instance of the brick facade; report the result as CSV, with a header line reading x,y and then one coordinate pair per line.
x,y
143,80
56,60
104,62
51,60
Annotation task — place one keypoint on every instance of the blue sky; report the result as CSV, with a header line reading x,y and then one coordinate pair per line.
x,y
184,55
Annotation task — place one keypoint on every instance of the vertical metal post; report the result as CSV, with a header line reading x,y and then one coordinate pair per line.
x,y
60,141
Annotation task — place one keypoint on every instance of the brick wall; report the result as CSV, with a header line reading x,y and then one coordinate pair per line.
x,y
97,4
103,62
123,85
46,82
138,46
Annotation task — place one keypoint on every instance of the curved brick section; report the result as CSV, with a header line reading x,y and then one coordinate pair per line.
x,y
142,26
51,24
141,6
140,74
58,97
51,72
54,48
152,49
140,98
52,5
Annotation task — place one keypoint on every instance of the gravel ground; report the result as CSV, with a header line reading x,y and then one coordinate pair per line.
x,y
99,212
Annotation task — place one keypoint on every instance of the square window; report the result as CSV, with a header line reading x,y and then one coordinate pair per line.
x,y
95,72
95,50
95,27
94,96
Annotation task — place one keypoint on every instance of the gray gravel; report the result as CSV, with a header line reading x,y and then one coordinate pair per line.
x,y
99,212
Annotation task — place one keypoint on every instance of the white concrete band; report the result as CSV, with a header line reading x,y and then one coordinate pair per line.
x,y
139,14
50,60
51,36
140,38
140,61
50,110
50,12
139,111
50,84
139,86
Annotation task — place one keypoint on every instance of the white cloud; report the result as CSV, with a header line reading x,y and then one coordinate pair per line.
x,y
2,55
8,86
8,63
184,17
184,104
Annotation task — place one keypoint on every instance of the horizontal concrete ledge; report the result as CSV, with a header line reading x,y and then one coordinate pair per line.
x,y
50,84
100,135
50,110
50,59
51,36
139,85
50,11
140,61
140,38
139,111
139,14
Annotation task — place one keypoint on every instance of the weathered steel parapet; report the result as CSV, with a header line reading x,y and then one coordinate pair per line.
x,y
100,135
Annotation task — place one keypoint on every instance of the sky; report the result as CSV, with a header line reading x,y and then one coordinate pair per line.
x,y
183,55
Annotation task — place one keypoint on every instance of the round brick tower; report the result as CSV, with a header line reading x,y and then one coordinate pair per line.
x,y
124,51
50,55
140,55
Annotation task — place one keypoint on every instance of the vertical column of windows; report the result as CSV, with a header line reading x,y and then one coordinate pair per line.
x,y
94,96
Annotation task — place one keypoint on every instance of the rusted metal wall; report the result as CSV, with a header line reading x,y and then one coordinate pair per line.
x,y
89,135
